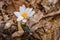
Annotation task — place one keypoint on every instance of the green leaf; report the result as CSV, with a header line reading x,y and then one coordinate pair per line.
x,y
26,28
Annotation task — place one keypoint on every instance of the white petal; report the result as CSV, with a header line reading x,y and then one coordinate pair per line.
x,y
24,20
31,14
20,18
17,14
22,8
30,10
27,10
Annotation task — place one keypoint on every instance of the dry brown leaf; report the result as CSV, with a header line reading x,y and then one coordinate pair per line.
x,y
8,24
17,34
1,4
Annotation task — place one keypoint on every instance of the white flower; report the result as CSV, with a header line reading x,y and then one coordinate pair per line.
x,y
24,13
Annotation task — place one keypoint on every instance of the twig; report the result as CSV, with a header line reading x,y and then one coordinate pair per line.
x,y
53,13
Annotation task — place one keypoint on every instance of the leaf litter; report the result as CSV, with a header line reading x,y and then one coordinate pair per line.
x,y
45,23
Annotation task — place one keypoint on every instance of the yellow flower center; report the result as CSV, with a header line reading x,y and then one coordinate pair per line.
x,y
24,15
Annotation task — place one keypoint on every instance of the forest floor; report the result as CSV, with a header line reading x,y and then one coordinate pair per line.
x,y
45,23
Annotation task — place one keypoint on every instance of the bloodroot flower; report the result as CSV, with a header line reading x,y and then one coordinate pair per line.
x,y
24,13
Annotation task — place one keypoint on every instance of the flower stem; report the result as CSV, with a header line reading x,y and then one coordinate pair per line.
x,y
19,26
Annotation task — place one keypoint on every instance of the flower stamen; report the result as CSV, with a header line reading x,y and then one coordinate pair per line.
x,y
24,14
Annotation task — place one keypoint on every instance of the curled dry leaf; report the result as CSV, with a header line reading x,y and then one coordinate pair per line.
x,y
2,25
1,18
1,4
57,33
17,3
36,36
53,1
39,14
32,1
6,17
18,33
48,25
35,27
8,24
35,18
